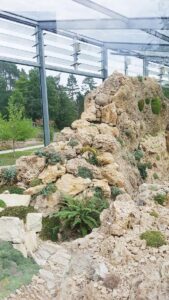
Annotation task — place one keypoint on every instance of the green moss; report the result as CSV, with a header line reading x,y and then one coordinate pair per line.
x,y
15,270
35,182
2,204
156,106
153,238
154,214
13,189
147,101
115,191
17,211
141,105
160,198
85,172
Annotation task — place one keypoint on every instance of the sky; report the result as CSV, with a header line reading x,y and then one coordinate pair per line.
x,y
68,9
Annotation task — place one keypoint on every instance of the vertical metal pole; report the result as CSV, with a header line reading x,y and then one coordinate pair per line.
x,y
145,67
125,66
43,87
104,62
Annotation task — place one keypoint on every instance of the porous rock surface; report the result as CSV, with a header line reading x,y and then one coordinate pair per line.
x,y
112,262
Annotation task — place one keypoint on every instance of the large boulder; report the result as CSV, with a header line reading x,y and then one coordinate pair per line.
x,y
112,174
73,165
109,114
105,142
12,230
72,185
29,167
15,199
52,173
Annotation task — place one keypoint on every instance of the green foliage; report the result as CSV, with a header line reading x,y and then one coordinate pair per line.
x,y
17,128
160,198
147,101
142,167
48,190
15,270
140,78
88,149
17,211
149,165
115,191
40,152
141,105
9,174
73,142
154,214
85,172
155,176
2,204
93,160
128,133
12,189
138,154
52,158
35,182
156,106
153,238
78,217
158,157
119,139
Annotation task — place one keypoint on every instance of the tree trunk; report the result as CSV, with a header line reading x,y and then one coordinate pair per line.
x,y
13,147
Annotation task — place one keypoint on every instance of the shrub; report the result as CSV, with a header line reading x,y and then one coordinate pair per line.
x,y
158,157
85,172
13,189
156,106
147,101
155,176
17,211
153,238
35,182
2,204
143,170
15,270
48,190
9,174
115,191
140,78
53,158
50,228
78,217
141,105
160,198
40,153
88,149
73,142
149,165
138,154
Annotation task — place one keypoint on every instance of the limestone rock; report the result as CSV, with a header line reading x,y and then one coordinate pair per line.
x,y
109,114
51,173
34,190
29,167
12,230
107,129
15,199
31,242
34,222
102,99
103,185
48,204
105,158
105,142
114,177
80,124
72,185
73,165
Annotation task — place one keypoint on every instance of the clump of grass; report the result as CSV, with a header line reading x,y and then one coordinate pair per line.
x,y
9,174
140,78
142,167
156,106
17,211
138,154
155,176
93,160
2,204
85,172
50,228
12,189
158,157
115,191
154,214
15,270
34,182
73,142
88,149
52,158
141,105
147,101
160,198
153,238
149,165
48,190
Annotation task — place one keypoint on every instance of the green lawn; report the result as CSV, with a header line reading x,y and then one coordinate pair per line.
x,y
8,159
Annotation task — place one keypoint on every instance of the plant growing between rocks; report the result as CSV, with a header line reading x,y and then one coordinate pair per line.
x,y
48,190
34,182
73,142
138,154
2,204
160,198
142,167
156,106
115,191
17,211
141,105
9,175
153,238
85,172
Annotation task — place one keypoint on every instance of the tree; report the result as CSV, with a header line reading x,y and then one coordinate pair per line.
x,y
17,127
80,103
72,86
88,84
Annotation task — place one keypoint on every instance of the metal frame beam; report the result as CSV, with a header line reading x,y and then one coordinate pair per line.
x,y
157,34
137,46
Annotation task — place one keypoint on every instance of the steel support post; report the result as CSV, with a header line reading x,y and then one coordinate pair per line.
x,y
104,62
43,85
125,65
145,67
